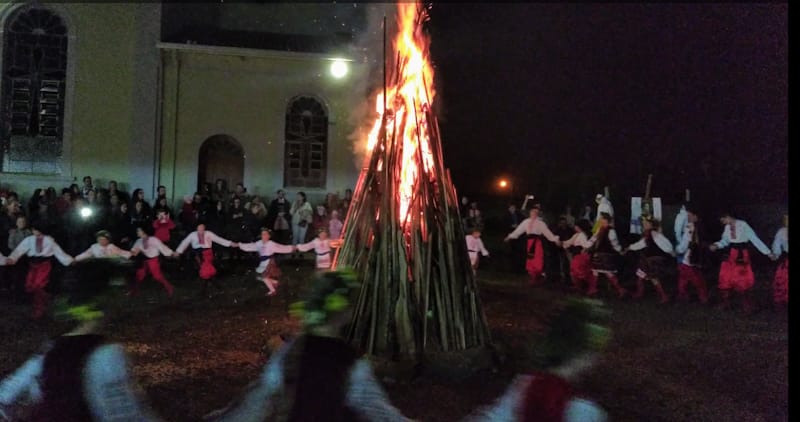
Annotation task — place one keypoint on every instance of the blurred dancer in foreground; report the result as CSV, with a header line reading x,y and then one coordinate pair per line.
x,y
78,376
317,376
571,347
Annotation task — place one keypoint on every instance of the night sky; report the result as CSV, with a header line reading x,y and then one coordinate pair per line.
x,y
567,98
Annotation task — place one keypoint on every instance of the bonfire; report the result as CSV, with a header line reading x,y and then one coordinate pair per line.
x,y
403,233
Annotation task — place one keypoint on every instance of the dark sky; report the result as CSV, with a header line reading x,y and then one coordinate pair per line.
x,y
567,98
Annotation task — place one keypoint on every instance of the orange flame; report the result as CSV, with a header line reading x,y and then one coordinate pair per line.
x,y
409,96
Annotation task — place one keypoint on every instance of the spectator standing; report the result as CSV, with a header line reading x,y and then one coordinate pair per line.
x,y
278,217
335,226
302,216
87,186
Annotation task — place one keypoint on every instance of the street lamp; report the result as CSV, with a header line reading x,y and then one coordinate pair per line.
x,y
339,68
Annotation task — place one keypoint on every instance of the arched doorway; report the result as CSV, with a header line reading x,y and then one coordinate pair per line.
x,y
221,157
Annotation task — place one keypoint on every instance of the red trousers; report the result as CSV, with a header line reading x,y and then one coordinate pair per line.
x,y
688,274
736,275
152,266
535,262
580,270
206,261
780,286
35,284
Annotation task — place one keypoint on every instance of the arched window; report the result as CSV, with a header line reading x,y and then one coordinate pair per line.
x,y
306,154
32,103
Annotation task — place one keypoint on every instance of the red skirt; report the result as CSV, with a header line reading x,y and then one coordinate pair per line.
x,y
736,272
38,274
272,271
207,269
581,267
780,287
535,261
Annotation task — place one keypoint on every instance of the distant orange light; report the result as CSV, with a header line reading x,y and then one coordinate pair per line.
x,y
503,183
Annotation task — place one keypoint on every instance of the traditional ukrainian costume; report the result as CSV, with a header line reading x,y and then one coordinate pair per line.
x,y
690,263
267,267
202,245
475,247
780,248
535,229
39,250
322,248
655,260
151,248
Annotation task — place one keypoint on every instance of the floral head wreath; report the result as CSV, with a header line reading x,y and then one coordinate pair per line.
x,y
578,327
328,296
80,313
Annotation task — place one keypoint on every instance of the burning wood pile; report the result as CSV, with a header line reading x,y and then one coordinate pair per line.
x,y
403,234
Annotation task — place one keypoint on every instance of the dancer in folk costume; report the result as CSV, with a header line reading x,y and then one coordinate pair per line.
x,y
39,250
202,242
580,268
575,339
103,248
603,206
780,249
534,228
690,258
321,245
80,375
475,247
605,250
317,376
655,260
267,269
736,272
151,248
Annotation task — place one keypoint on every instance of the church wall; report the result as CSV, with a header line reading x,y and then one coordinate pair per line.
x,y
246,97
113,67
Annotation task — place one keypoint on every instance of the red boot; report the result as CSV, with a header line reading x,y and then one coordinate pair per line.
x,y
614,282
661,294
639,289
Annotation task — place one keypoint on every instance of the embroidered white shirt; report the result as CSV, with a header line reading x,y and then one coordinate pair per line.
x,y
153,249
209,238
49,247
97,251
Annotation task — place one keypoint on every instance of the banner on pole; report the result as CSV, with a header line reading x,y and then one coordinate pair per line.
x,y
637,211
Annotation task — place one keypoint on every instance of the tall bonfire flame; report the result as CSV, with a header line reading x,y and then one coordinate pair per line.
x,y
403,234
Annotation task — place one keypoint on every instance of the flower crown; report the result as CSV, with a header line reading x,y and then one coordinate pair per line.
x,y
578,327
328,296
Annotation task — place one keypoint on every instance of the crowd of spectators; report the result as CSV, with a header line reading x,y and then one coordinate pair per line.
x,y
78,212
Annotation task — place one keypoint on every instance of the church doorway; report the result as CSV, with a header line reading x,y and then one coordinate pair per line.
x,y
221,157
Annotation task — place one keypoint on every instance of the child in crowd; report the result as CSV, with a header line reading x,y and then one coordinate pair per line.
x,y
335,225
163,226
474,247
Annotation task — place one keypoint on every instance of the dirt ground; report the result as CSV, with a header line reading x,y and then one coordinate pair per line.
x,y
676,362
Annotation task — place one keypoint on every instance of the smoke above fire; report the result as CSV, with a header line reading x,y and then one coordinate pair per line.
x,y
368,49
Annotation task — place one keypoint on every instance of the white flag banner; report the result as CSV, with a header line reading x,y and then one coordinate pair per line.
x,y
657,209
636,215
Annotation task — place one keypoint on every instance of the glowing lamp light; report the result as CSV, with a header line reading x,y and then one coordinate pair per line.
x,y
339,69
503,183
86,212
